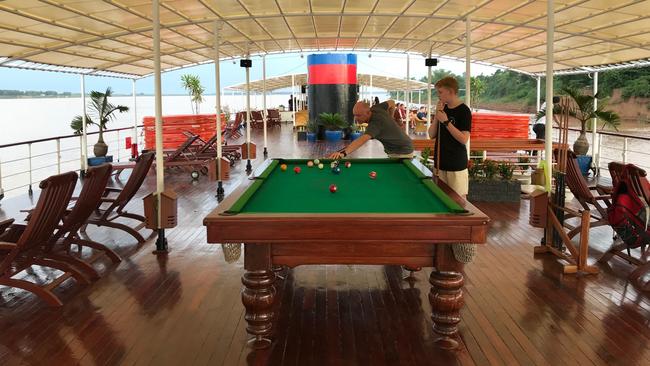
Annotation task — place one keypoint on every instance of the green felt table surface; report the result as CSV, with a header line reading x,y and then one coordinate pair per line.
x,y
399,187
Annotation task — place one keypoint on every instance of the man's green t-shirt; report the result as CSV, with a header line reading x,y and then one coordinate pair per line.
x,y
383,128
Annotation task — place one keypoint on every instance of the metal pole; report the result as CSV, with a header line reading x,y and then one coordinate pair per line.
x,y
548,143
84,131
2,191
407,97
161,242
429,96
134,137
118,145
539,91
371,98
29,148
266,153
249,167
594,126
217,83
293,105
58,156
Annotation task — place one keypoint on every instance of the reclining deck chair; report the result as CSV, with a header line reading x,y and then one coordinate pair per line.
x,y
585,195
89,199
273,118
209,149
257,119
233,130
637,181
107,217
22,246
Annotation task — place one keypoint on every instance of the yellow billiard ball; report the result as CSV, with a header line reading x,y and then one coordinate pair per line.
x,y
283,167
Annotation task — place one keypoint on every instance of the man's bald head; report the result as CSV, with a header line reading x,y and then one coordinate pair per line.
x,y
361,111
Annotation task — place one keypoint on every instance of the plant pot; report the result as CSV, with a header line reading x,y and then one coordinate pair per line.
x,y
100,149
494,191
333,136
311,136
581,145
355,135
584,162
301,135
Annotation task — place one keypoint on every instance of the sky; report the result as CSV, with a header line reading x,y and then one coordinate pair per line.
x,y
386,64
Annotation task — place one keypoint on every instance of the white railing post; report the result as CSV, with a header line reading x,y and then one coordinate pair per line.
x,y
599,147
29,148
2,191
118,145
625,141
58,156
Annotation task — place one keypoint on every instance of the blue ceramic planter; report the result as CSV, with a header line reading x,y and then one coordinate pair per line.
x,y
584,162
355,135
311,137
333,135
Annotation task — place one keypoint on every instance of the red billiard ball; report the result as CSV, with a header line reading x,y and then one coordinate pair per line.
x,y
296,170
348,164
333,188
372,175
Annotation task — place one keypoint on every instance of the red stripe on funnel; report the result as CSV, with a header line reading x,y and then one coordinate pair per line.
x,y
332,74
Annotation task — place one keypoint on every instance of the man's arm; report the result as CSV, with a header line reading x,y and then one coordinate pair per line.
x,y
351,148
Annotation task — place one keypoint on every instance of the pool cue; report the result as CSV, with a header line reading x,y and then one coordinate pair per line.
x,y
438,145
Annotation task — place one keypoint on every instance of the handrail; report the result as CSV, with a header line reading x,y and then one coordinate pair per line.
x,y
617,134
66,136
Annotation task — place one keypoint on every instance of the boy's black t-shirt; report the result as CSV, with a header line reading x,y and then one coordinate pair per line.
x,y
453,154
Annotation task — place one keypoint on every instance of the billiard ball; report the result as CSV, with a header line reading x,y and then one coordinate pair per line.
x,y
372,175
296,170
336,170
316,161
333,188
334,164
283,167
310,163
348,164
321,166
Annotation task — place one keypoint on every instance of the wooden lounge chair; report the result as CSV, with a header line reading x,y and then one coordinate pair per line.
x,y
30,239
116,209
89,199
233,130
638,257
209,150
596,203
273,118
5,224
257,119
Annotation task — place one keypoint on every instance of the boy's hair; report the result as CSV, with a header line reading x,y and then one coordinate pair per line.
x,y
449,83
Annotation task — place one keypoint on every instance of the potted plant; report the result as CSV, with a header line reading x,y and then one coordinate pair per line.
x,y
492,181
582,109
192,84
281,108
333,123
312,130
354,132
102,111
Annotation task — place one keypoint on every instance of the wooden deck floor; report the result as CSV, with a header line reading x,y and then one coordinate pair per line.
x,y
185,308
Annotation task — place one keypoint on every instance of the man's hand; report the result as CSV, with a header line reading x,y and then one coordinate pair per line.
x,y
336,155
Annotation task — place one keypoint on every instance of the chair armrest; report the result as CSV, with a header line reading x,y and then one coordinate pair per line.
x,y
113,189
4,224
602,189
106,199
603,197
7,246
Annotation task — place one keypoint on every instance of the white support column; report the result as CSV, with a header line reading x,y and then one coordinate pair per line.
x,y
264,103
407,96
84,131
468,72
249,167
548,143
134,136
161,242
539,91
429,95
371,97
293,109
217,88
595,159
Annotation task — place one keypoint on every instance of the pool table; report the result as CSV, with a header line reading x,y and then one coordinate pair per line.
x,y
401,217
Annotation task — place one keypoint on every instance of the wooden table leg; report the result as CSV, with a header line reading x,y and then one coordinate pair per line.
x,y
258,294
446,297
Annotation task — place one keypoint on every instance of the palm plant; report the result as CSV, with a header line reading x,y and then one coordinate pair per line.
x,y
332,121
100,113
582,109
192,84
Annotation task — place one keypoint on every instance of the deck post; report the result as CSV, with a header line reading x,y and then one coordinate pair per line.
x,y
134,136
429,94
594,133
407,93
84,130
266,153
249,166
217,85
2,191
539,91
468,71
548,152
161,242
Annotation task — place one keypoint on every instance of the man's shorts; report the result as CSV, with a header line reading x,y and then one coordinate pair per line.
x,y
458,181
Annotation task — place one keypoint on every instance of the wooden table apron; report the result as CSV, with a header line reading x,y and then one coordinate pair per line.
x,y
380,239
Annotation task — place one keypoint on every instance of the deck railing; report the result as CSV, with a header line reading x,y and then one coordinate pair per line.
x,y
23,164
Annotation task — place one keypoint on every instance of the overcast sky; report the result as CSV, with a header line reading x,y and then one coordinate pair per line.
x,y
276,65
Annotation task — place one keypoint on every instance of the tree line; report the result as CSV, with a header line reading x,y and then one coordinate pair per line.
x,y
35,93
505,86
